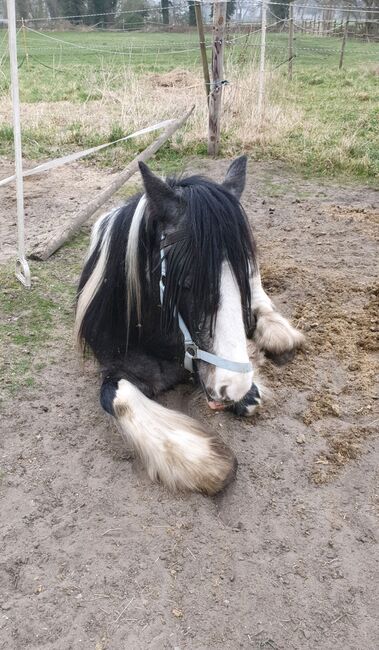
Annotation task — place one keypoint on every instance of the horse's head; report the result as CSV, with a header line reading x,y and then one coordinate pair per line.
x,y
209,257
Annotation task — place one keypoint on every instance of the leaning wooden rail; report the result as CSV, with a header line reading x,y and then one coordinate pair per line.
x,y
82,216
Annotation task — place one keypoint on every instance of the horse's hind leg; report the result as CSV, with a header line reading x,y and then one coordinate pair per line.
x,y
174,448
274,334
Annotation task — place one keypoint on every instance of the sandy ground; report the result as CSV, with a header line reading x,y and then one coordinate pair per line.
x,y
93,556
51,202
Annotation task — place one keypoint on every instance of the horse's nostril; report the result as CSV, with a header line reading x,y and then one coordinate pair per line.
x,y
223,390
218,394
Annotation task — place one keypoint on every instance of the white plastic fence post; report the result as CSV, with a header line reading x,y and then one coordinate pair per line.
x,y
22,267
261,89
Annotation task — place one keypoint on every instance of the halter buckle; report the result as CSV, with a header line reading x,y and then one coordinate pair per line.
x,y
191,350
191,353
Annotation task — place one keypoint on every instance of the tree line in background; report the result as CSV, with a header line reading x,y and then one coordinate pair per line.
x,y
134,13
111,11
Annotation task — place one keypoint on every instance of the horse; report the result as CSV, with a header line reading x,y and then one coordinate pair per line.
x,y
171,288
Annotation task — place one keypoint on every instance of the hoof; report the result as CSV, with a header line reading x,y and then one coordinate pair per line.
x,y
227,476
281,359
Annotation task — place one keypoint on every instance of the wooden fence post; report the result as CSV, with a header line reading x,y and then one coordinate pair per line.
x,y
290,41
343,44
25,43
219,19
203,49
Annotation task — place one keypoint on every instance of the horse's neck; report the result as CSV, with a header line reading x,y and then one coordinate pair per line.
x,y
150,336
157,342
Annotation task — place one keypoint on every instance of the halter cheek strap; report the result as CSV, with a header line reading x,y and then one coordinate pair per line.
x,y
192,352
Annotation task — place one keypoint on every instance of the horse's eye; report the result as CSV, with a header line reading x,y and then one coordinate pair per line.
x,y
187,283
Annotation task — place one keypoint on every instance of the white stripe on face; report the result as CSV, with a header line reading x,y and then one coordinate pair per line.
x,y
230,341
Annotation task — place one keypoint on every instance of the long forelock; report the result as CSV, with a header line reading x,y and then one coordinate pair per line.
x,y
217,231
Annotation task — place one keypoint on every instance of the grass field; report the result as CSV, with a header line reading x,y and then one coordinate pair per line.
x,y
84,88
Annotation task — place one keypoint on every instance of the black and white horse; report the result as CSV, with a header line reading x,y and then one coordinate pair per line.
x,y
171,285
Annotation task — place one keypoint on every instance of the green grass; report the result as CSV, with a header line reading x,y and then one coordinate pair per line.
x,y
339,133
45,57
57,70
336,135
32,320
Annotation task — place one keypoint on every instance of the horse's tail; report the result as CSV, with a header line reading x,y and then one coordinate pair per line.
x,y
175,449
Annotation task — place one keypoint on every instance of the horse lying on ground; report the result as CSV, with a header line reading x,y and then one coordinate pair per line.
x,y
171,286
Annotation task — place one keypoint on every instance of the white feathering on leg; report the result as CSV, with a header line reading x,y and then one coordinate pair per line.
x,y
174,447
273,333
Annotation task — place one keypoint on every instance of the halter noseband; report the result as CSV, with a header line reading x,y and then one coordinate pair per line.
x,y
192,352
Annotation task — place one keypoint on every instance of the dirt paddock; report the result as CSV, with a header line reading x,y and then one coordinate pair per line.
x,y
93,556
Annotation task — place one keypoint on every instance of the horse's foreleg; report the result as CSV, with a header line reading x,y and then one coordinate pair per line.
x,y
151,375
274,334
175,449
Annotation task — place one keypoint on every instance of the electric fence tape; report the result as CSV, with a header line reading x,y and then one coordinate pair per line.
x,y
64,160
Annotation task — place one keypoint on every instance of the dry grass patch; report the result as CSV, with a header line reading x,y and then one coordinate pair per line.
x,y
127,101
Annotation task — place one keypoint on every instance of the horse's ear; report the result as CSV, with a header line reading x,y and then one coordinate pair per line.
x,y
235,178
161,197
